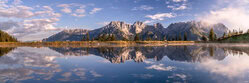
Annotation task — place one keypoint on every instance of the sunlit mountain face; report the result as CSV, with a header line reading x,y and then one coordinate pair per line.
x,y
193,63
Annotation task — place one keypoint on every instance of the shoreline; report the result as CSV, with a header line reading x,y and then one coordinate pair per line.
x,y
95,43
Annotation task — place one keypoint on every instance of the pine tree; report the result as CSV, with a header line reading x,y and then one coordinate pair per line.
x,y
165,38
148,38
229,33
224,35
113,38
104,37
108,38
185,36
83,38
215,37
136,38
180,37
176,38
204,38
211,35
87,37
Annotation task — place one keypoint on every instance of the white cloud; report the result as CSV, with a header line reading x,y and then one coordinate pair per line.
x,y
48,8
78,15
66,10
143,76
181,7
143,7
63,5
19,11
80,10
47,11
17,2
161,16
148,21
95,10
33,29
177,4
31,24
179,1
136,1
235,15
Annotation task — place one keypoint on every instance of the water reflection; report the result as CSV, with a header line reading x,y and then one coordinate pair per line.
x,y
196,63
22,63
140,54
5,50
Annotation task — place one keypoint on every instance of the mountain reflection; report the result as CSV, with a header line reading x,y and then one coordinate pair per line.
x,y
140,54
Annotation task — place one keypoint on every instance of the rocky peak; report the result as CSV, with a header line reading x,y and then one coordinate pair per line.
x,y
118,25
138,26
158,25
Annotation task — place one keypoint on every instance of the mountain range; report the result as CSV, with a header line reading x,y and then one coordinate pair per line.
x,y
194,30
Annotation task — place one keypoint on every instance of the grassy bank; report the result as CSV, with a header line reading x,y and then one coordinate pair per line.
x,y
243,38
91,43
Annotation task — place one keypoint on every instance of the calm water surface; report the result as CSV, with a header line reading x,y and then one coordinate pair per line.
x,y
206,63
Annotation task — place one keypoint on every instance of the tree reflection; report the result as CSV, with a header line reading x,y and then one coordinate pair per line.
x,y
211,51
5,50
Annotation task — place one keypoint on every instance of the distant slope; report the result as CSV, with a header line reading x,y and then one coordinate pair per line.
x,y
5,37
68,35
195,30
243,38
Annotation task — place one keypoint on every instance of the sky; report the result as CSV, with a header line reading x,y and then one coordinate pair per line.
x,y
37,19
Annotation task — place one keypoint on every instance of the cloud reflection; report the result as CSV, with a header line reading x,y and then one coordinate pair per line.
x,y
161,67
25,62
234,66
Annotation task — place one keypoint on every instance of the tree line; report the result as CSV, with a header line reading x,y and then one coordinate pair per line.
x,y
5,37
213,36
137,37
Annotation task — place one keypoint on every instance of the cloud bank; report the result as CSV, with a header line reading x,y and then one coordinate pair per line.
x,y
31,24
234,15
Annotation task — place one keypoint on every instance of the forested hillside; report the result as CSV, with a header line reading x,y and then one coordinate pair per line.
x,y
5,37
241,38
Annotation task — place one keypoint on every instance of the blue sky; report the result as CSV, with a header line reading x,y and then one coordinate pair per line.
x,y
122,10
29,19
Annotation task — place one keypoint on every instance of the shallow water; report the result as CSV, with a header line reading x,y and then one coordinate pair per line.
x,y
202,63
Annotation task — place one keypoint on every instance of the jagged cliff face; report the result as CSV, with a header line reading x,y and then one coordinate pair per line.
x,y
121,30
195,30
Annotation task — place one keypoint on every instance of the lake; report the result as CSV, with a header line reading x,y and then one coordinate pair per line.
x,y
199,63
